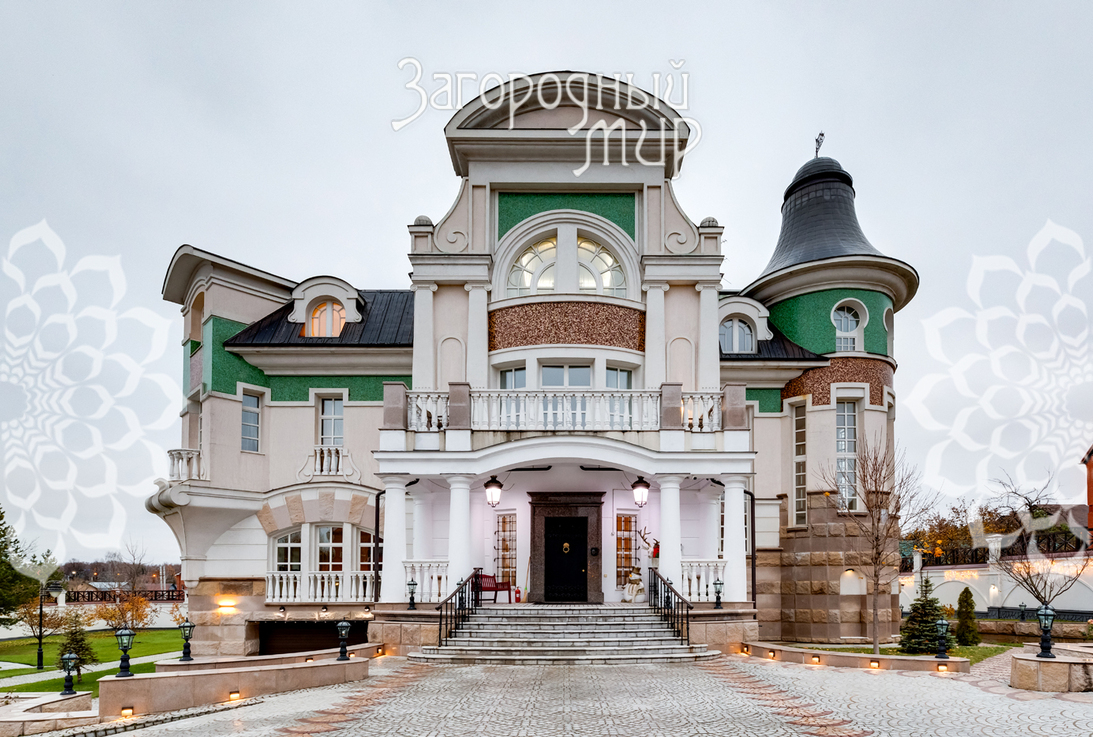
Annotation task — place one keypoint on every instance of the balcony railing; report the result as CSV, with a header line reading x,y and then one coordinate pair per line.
x,y
293,587
698,577
426,411
328,460
431,576
186,464
561,410
702,411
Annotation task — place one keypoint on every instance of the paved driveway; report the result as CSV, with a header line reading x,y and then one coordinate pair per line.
x,y
728,696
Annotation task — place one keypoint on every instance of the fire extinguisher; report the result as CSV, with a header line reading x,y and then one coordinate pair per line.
x,y
518,595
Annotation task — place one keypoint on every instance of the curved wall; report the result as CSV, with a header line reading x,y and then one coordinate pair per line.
x,y
567,323
806,319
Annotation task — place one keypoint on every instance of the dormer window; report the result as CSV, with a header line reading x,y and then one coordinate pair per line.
x,y
598,270
322,305
737,336
327,320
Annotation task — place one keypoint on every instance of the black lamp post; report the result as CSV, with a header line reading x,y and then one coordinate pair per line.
x,y
412,586
1046,615
718,587
1021,606
68,662
942,639
343,635
125,643
187,630
53,588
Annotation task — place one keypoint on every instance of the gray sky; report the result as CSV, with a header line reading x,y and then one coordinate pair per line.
x,y
262,131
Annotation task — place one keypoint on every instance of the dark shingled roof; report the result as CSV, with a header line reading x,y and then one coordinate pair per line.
x,y
818,218
778,348
387,321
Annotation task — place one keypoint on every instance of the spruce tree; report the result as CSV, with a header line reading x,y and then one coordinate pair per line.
x,y
75,641
919,633
967,633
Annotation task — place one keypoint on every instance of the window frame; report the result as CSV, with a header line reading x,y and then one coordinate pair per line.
x,y
856,336
569,244
846,453
799,427
332,307
257,424
289,545
730,328
334,419
633,554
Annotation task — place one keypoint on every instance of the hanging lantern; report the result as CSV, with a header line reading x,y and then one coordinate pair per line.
x,y
641,491
493,491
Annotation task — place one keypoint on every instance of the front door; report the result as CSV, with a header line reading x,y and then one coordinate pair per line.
x,y
566,559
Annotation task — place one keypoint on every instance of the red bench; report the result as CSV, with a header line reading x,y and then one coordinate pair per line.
x,y
490,583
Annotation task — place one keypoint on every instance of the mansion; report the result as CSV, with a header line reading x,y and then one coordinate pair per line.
x,y
562,395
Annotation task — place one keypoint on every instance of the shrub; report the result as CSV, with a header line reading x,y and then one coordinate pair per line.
x,y
967,633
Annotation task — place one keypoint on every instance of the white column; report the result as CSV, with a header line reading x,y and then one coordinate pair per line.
x,y
671,533
423,525
655,349
477,337
424,365
459,528
736,568
393,588
709,356
711,500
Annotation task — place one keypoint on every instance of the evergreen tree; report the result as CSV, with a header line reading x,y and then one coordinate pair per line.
x,y
967,633
15,588
919,633
74,640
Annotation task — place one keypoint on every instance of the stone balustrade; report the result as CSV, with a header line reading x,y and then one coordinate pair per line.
x,y
698,577
431,576
296,587
185,464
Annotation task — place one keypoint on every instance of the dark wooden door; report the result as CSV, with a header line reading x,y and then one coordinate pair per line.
x,y
565,559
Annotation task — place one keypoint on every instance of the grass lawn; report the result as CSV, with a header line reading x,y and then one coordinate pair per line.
x,y
147,642
90,681
973,653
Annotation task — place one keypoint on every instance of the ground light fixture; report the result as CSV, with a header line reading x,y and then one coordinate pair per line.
x,y
411,585
124,637
127,711
343,635
493,491
233,696
1046,615
187,630
718,587
641,492
942,668
942,639
68,662
874,664
816,659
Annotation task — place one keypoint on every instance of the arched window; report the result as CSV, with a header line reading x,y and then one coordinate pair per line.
x,y
846,321
598,270
737,336
327,320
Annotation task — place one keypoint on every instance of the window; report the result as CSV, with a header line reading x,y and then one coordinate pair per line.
x,y
626,548
330,548
620,410
287,551
846,328
515,378
504,548
566,412
370,562
620,378
327,320
598,270
800,498
846,448
330,423
251,419
736,336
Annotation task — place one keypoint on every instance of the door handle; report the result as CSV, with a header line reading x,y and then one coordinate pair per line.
x,y
565,547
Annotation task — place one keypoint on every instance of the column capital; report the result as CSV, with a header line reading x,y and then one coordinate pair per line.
x,y
470,286
423,287
394,481
459,479
648,286
674,479
734,480
707,285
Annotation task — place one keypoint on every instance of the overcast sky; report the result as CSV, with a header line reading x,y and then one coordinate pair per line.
x,y
262,132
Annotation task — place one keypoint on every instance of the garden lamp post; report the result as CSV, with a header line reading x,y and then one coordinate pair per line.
x,y
125,643
718,587
187,630
942,639
53,588
1021,606
68,662
343,635
412,586
1046,615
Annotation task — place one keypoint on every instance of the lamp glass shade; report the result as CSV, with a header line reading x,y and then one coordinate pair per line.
x,y
493,491
343,629
68,661
54,588
412,585
125,638
1046,615
942,627
187,629
641,492
718,586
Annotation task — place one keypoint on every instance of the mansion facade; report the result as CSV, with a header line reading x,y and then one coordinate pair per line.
x,y
561,396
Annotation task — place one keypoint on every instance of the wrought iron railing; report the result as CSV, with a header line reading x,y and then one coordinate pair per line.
x,y
96,596
906,564
457,608
957,557
1047,543
1029,614
670,605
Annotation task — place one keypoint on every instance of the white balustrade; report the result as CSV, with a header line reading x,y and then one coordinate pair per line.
x,y
185,464
698,577
426,411
431,576
330,460
319,586
561,410
701,411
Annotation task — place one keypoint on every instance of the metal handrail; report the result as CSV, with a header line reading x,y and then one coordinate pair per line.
x,y
670,605
457,608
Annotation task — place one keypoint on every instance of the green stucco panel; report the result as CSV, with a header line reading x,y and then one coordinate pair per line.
x,y
514,207
770,400
222,371
806,319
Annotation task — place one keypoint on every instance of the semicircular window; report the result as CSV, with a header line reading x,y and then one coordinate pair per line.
x,y
533,272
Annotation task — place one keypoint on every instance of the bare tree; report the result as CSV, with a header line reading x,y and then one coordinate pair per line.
x,y
878,491
130,564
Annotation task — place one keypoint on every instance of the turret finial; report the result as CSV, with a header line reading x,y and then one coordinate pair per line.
x,y
819,142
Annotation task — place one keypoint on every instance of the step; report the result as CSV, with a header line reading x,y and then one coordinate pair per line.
x,y
618,659
531,644
667,649
568,619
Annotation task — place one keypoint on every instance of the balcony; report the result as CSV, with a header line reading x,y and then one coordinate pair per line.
x,y
296,587
698,577
186,465
325,461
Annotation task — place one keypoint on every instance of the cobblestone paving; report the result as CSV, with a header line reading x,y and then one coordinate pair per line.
x,y
727,696
996,667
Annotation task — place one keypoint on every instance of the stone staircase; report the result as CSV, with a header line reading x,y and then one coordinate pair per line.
x,y
563,634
